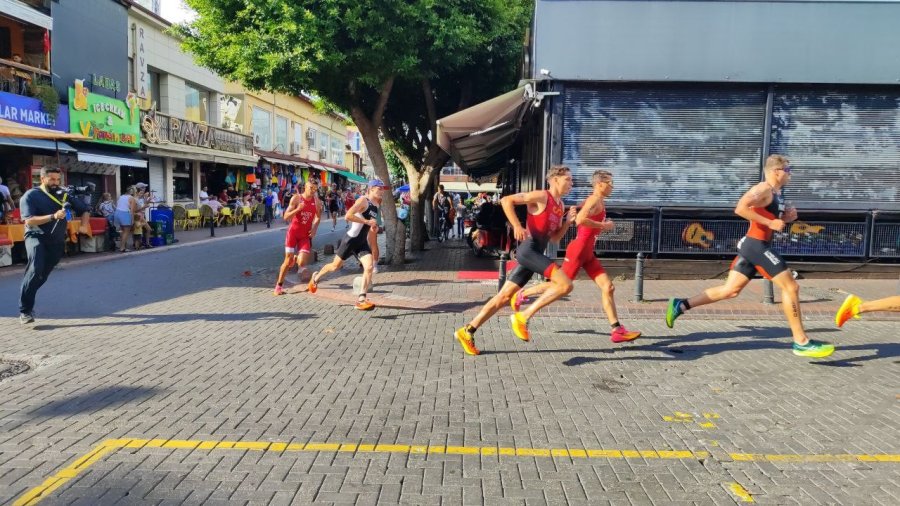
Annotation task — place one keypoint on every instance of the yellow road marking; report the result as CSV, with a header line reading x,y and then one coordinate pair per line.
x,y
71,471
741,492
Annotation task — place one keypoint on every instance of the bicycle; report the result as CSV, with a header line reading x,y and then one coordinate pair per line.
x,y
443,228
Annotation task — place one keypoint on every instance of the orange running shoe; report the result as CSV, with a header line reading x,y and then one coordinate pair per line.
x,y
520,327
365,305
849,309
467,340
313,282
621,335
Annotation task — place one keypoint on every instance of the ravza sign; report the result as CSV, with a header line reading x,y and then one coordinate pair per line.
x,y
163,129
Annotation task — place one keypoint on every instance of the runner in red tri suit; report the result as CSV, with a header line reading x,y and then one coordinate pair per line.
x,y
303,213
591,220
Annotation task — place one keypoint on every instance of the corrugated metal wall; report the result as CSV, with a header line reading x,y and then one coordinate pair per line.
x,y
844,146
666,146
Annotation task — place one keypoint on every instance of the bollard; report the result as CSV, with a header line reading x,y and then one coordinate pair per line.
x,y
504,256
245,222
768,292
212,227
639,278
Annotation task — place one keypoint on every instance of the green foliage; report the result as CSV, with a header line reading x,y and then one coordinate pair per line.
x,y
395,166
47,95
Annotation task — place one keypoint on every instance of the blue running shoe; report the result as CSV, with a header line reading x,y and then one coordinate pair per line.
x,y
673,312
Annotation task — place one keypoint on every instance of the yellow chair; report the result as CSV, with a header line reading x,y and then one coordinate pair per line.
x,y
246,214
226,216
206,215
193,218
180,216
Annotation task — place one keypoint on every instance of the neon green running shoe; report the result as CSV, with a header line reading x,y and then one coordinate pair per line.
x,y
814,349
673,312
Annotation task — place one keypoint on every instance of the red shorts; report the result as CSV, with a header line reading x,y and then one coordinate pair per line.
x,y
580,253
297,241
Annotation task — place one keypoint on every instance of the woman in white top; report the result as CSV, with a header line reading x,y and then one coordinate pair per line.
x,y
126,207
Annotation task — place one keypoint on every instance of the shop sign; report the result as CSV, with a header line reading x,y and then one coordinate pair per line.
x,y
140,63
29,111
103,119
160,128
106,82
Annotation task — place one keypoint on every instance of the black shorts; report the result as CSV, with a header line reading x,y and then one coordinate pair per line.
x,y
757,256
353,246
333,207
531,259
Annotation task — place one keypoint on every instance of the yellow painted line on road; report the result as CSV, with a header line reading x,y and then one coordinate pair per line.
x,y
741,492
71,471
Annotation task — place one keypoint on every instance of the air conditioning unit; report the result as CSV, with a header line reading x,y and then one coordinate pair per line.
x,y
295,148
255,140
323,154
310,135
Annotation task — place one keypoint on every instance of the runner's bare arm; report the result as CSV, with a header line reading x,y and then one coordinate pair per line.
x,y
583,219
293,208
568,220
509,203
358,207
758,196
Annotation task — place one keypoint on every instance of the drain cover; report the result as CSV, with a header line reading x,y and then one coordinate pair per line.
x,y
10,368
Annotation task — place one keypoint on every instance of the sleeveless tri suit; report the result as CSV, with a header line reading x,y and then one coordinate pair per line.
x,y
755,252
580,252
530,253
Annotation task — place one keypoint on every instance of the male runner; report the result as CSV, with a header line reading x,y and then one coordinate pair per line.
x,y
763,207
303,212
591,220
356,242
546,223
853,306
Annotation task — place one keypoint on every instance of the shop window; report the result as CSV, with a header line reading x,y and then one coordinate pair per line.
x,y
311,136
298,139
281,134
196,104
324,142
182,181
231,112
337,151
262,128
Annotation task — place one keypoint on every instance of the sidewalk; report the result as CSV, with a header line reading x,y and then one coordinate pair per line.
x,y
430,283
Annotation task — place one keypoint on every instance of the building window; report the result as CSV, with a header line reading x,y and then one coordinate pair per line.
x,y
262,128
281,134
337,151
196,104
298,139
355,142
153,89
324,142
183,183
231,111
311,135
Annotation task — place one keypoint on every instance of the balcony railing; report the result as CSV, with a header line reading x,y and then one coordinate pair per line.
x,y
16,77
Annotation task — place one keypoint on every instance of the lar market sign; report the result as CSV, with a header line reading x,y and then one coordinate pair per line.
x,y
103,119
161,129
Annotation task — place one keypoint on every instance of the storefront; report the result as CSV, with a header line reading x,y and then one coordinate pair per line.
x,y
186,156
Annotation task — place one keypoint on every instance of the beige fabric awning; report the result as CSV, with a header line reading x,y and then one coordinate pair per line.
x,y
477,138
13,129
202,154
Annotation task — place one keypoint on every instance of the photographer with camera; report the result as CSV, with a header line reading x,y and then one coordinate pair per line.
x,y
45,211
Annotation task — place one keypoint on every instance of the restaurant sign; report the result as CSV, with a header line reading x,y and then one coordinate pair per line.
x,y
160,129
103,119
29,111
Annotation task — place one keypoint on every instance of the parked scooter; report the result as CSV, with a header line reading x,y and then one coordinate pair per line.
x,y
488,235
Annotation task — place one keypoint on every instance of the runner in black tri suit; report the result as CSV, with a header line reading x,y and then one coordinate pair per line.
x,y
356,243
763,206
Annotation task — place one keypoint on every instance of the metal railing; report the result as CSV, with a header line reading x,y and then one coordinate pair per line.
x,y
631,235
885,240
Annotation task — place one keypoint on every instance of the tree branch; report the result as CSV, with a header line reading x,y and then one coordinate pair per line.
x,y
429,105
382,101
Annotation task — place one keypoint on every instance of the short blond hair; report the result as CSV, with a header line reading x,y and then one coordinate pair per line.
x,y
774,162
558,171
601,176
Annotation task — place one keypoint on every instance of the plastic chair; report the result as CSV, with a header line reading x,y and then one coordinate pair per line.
x,y
246,214
259,213
226,216
206,215
193,218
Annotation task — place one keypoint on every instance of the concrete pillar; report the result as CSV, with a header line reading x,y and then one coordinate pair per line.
x,y
171,95
215,115
195,179
169,180
117,190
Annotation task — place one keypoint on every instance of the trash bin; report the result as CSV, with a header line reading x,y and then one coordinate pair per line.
x,y
167,217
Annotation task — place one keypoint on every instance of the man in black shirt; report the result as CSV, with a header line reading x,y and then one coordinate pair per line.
x,y
45,211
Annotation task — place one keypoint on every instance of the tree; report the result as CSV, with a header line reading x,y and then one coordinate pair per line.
x,y
353,53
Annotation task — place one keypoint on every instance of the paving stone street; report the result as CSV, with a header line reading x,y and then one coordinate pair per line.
x,y
176,377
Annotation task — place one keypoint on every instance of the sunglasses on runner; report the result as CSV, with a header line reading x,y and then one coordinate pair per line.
x,y
787,170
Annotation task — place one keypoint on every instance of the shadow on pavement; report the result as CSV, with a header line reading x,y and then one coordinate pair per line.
x,y
149,319
95,400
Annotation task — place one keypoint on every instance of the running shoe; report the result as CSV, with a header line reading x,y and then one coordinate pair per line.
x,y
849,309
814,349
279,289
673,312
517,300
467,340
621,335
365,305
313,282
520,326
26,318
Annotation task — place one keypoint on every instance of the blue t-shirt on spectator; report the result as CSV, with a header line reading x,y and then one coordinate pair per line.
x,y
37,203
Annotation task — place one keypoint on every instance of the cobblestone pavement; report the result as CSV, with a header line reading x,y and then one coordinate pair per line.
x,y
176,377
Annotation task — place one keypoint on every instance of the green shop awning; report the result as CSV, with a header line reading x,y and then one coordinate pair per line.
x,y
352,177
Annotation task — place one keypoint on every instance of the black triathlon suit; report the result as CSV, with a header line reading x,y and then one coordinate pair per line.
x,y
756,255
357,244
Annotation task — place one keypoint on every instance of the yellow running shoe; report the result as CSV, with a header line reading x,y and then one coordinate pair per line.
x,y
520,326
467,340
849,309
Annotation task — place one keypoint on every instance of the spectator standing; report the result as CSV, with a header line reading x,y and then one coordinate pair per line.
x,y
126,207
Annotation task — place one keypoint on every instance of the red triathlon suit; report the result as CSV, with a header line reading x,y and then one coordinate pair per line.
x,y
530,253
580,252
297,239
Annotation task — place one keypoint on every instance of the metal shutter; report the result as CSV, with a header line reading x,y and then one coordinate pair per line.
x,y
665,146
845,147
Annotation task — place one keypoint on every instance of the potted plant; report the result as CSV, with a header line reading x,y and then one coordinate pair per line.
x,y
48,97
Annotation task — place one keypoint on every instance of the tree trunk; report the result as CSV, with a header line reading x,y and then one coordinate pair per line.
x,y
395,237
419,191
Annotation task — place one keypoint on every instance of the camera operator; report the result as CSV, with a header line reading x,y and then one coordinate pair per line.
x,y
45,211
